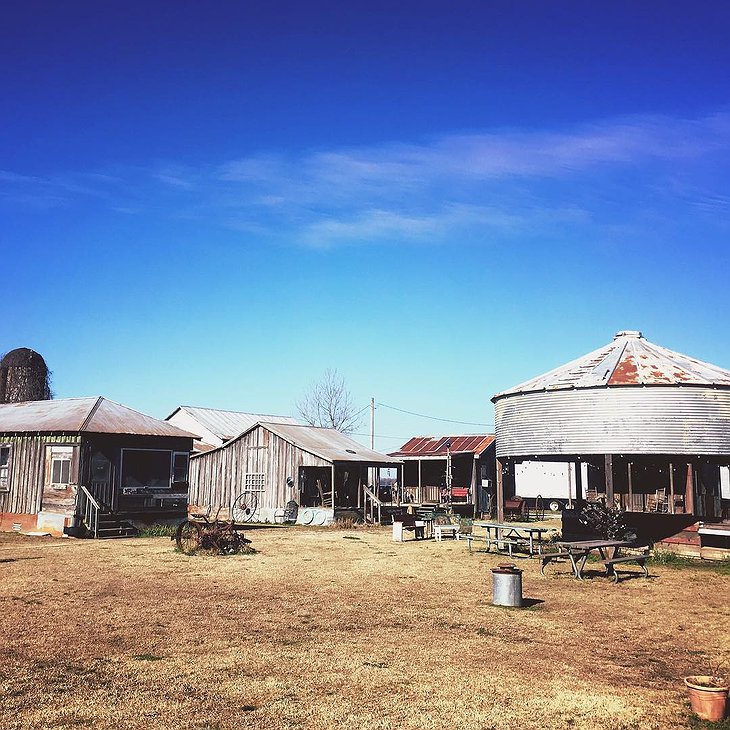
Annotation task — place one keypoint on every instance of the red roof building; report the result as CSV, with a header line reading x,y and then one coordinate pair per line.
x,y
458,470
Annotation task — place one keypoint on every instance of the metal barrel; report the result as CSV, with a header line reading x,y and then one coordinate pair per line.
x,y
507,586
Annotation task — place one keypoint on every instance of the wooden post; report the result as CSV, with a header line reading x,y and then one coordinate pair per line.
x,y
631,489
608,460
500,492
474,471
671,488
420,485
689,493
333,487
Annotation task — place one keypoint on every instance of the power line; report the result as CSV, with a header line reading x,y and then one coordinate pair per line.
x,y
380,436
436,418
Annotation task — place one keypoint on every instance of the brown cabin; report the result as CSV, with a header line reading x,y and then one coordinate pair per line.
x,y
89,466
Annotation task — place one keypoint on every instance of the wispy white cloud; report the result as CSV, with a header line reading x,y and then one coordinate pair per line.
x,y
477,186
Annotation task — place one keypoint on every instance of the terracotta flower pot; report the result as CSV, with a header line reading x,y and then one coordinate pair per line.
x,y
708,696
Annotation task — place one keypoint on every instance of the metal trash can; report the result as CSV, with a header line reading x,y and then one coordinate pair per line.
x,y
507,585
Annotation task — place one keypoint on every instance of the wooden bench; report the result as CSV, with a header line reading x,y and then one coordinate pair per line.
x,y
488,542
640,560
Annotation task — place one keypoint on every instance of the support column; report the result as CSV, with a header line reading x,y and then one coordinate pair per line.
x,y
631,488
608,460
420,484
500,492
671,488
689,492
474,474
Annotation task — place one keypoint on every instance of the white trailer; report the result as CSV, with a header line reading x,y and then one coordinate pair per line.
x,y
554,481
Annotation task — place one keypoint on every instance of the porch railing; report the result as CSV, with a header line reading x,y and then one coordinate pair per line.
x,y
371,505
87,508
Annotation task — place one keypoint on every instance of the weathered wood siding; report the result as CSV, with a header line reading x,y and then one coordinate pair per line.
x,y
216,477
28,471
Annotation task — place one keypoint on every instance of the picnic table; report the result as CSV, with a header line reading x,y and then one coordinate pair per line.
x,y
577,551
509,535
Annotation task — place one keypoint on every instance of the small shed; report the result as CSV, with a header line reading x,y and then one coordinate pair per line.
x,y
214,426
90,465
458,470
279,462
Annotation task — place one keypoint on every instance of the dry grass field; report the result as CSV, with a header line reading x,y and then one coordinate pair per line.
x,y
329,628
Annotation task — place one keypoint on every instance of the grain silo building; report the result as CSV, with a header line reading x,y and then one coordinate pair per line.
x,y
652,426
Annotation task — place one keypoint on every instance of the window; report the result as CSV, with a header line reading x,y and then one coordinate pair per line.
x,y
61,457
180,467
146,468
5,450
254,483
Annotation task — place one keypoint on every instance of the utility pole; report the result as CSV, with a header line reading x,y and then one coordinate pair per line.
x,y
372,424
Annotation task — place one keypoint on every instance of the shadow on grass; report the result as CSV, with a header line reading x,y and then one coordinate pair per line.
x,y
13,560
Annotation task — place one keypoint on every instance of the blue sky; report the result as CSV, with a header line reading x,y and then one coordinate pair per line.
x,y
213,203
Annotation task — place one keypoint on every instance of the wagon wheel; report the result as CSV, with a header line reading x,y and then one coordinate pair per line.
x,y
187,536
244,507
540,507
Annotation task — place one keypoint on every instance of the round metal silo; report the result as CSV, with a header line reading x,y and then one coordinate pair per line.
x,y
631,396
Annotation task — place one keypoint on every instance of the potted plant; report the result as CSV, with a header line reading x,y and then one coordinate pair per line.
x,y
708,695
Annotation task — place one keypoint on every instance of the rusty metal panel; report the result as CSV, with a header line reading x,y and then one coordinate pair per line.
x,y
640,420
628,360
420,446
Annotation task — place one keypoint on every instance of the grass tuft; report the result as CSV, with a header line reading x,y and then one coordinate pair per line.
x,y
158,531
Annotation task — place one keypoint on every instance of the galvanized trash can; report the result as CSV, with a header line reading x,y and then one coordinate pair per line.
x,y
507,585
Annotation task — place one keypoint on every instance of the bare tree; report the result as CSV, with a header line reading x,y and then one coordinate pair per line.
x,y
328,403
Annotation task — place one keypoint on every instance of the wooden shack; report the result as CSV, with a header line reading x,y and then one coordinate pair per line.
x,y
318,468
446,470
89,466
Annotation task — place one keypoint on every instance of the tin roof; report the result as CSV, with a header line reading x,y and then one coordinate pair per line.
x,y
326,443
436,445
87,415
628,360
228,424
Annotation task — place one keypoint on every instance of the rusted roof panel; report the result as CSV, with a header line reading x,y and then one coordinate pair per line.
x,y
436,445
628,360
76,415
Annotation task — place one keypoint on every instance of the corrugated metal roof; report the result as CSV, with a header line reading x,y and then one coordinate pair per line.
x,y
227,424
326,443
436,445
629,360
87,415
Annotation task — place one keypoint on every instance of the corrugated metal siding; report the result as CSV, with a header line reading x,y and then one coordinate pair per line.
x,y
218,476
27,469
649,420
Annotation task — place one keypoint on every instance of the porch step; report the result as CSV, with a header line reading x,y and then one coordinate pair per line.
x,y
110,526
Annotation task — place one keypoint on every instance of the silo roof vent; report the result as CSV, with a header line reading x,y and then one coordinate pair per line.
x,y
627,333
